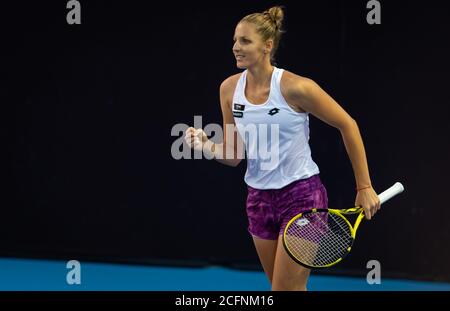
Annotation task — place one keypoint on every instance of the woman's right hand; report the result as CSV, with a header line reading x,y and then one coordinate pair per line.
x,y
195,138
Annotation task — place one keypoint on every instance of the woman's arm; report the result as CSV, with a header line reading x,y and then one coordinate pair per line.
x,y
305,94
228,152
231,150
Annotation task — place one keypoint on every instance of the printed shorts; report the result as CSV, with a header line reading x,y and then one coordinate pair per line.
x,y
270,210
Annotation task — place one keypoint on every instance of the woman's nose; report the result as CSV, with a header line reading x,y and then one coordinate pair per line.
x,y
236,47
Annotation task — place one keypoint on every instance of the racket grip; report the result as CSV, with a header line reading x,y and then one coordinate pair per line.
x,y
397,188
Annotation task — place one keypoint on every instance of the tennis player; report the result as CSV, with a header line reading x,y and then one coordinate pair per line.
x,y
263,94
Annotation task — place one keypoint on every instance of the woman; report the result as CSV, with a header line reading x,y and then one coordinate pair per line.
x,y
264,94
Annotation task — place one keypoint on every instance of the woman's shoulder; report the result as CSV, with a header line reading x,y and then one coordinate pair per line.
x,y
229,84
289,78
294,85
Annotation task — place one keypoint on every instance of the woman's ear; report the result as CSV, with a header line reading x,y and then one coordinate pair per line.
x,y
268,46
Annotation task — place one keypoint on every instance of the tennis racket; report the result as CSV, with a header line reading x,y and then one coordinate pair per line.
x,y
320,238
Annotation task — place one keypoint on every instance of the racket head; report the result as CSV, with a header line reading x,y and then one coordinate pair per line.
x,y
319,238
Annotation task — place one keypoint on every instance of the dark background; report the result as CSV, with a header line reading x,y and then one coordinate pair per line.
x,y
87,112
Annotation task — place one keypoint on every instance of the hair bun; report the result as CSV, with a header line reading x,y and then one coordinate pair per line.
x,y
276,14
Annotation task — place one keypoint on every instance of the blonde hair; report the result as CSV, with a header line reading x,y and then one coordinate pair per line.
x,y
269,25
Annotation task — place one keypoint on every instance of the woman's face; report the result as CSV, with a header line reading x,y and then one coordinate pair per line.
x,y
248,48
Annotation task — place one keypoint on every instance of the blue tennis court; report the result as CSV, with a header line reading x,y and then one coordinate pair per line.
x,y
46,275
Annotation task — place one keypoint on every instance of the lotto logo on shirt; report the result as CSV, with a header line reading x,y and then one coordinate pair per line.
x,y
273,111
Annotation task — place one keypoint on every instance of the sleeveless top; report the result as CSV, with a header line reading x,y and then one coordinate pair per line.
x,y
276,137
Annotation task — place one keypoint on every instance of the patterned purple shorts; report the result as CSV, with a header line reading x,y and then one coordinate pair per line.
x,y
270,210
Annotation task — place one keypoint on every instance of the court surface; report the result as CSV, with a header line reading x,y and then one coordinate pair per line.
x,y
31,274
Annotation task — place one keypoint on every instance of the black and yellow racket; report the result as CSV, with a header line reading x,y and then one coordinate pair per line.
x,y
320,238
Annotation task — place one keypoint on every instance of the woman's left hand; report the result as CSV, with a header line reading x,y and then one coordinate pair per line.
x,y
369,201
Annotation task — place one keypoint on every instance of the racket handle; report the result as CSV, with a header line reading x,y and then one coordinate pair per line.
x,y
391,192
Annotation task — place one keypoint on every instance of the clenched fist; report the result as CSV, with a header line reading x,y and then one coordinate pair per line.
x,y
198,140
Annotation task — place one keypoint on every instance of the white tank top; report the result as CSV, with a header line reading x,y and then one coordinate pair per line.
x,y
276,137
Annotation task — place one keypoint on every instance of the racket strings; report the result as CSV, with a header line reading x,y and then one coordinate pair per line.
x,y
318,239
307,232
327,245
311,251
316,253
336,241
337,237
